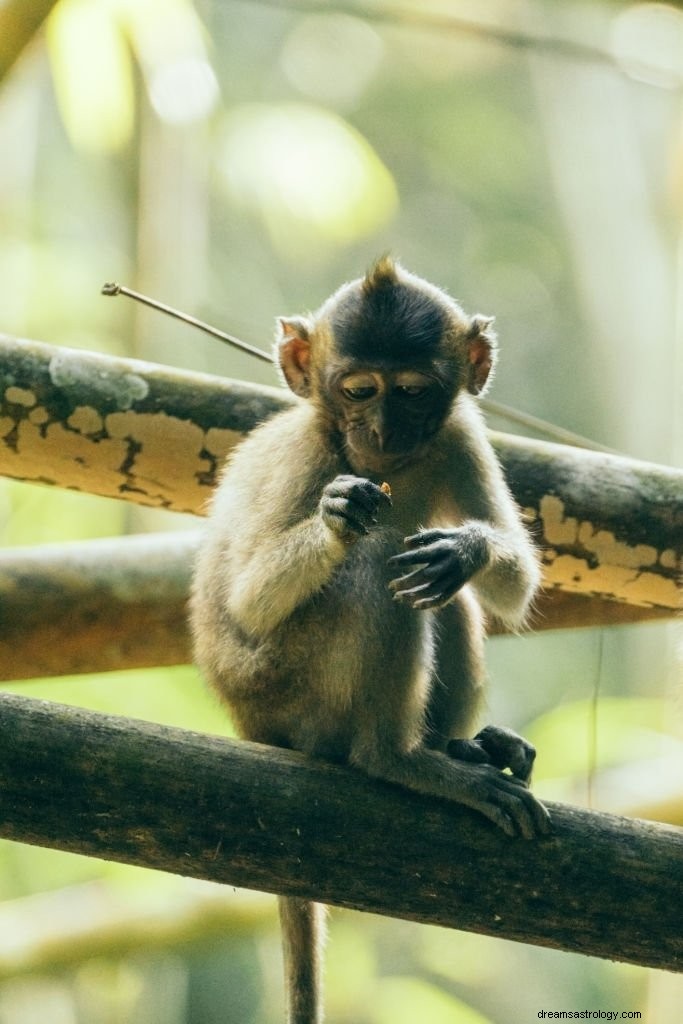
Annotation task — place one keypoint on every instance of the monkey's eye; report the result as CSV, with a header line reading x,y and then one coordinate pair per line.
x,y
359,387
359,393
411,390
412,384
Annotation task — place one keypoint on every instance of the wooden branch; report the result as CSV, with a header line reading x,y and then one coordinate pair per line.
x,y
268,819
120,427
607,526
93,606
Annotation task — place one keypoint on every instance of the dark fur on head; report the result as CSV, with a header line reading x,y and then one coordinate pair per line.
x,y
387,318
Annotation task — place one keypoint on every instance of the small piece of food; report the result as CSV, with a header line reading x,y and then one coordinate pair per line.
x,y
385,488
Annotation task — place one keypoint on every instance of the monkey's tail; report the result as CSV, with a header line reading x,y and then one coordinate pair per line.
x,y
303,937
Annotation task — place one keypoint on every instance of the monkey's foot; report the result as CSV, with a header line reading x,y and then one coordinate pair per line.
x,y
499,747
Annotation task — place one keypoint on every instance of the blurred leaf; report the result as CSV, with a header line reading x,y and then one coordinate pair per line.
x,y
627,728
171,696
27,869
34,514
469,959
307,172
407,1000
332,57
351,970
92,73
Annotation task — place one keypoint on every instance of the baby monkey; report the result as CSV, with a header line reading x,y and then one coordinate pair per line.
x,y
342,617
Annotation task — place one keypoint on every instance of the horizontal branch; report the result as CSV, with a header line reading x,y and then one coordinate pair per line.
x,y
98,605
95,606
120,427
607,526
268,819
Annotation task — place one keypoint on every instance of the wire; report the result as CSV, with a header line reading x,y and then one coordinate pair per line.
x,y
560,434
592,769
496,408
113,289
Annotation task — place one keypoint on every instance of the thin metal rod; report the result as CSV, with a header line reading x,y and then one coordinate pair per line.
x,y
113,288
507,412
560,434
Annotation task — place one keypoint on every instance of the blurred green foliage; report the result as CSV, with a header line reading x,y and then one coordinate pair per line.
x,y
241,160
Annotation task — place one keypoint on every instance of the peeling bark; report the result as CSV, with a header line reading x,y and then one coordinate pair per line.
x,y
607,526
121,428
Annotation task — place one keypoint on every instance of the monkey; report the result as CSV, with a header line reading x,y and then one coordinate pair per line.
x,y
355,544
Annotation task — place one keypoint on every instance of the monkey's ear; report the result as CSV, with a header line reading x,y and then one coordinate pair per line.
x,y
293,353
481,353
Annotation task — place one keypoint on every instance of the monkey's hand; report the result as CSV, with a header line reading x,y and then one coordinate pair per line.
x,y
497,746
350,505
444,559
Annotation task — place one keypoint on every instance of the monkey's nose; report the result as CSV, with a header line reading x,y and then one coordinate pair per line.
x,y
377,436
378,433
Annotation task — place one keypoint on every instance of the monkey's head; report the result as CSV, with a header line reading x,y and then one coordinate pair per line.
x,y
383,360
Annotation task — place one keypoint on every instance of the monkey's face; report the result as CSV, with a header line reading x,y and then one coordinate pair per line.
x,y
383,360
387,416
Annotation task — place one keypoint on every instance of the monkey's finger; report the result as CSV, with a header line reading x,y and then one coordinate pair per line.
x,y
425,574
421,556
529,815
369,496
424,537
422,588
425,603
426,595
401,582
467,750
522,819
362,492
337,509
408,558
411,595
508,750
535,815
499,817
527,818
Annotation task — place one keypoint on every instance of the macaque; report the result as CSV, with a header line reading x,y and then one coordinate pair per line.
x,y
355,543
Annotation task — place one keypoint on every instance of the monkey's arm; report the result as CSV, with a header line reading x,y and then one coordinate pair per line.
x,y
279,565
490,549
279,575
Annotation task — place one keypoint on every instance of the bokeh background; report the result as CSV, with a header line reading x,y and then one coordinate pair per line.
x,y
240,160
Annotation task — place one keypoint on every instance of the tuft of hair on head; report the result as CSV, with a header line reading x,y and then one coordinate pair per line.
x,y
381,274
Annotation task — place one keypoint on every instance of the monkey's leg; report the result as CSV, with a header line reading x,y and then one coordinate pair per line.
x,y
457,693
303,936
389,710
459,673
